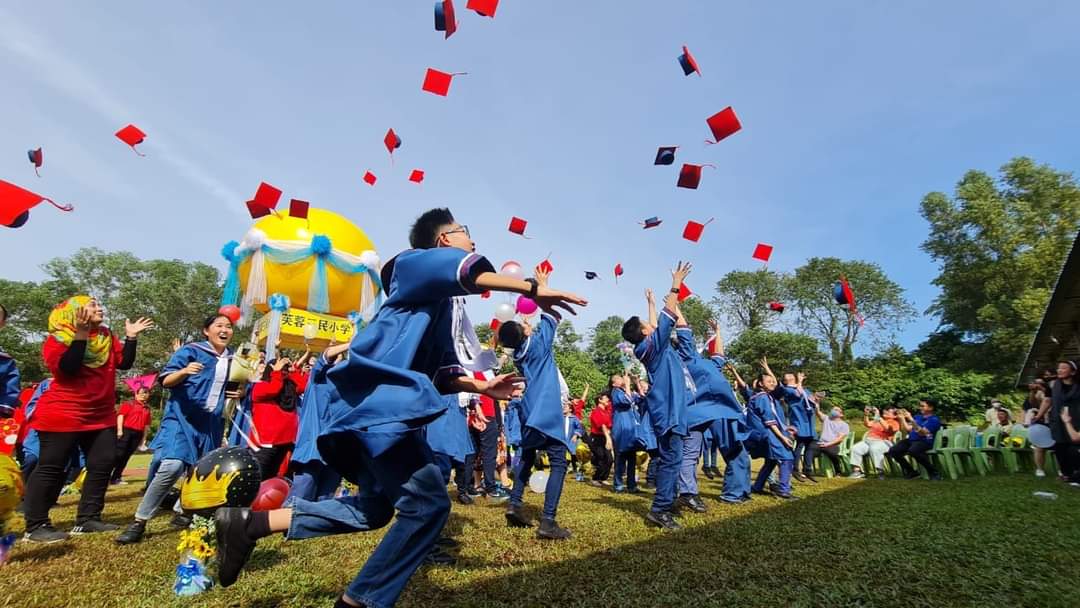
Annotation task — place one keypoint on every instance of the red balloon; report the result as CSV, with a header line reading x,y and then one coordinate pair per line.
x,y
272,494
231,312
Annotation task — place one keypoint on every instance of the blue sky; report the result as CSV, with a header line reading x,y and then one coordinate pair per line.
x,y
851,112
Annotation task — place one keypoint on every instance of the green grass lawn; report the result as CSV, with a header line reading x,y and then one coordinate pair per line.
x,y
973,542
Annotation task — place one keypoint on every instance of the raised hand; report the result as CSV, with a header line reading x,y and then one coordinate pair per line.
x,y
192,368
541,275
176,344
548,299
680,273
649,297
133,329
83,319
504,386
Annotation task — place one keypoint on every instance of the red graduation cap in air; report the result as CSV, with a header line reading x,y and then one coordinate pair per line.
x,y
665,155
762,252
684,292
392,142
265,201
298,208
495,325
438,82
370,178
688,63
517,225
36,158
485,295
845,297
723,124
445,21
132,136
651,222
776,306
16,202
693,230
690,176
546,265
618,272
416,176
485,8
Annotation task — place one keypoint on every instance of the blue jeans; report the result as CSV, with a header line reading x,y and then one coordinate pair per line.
x,y
710,450
170,470
650,469
784,484
626,465
313,481
556,452
667,471
691,451
402,479
804,452
155,464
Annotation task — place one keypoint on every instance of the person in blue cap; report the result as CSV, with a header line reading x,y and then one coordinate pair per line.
x,y
544,424
625,434
312,479
801,410
712,402
778,444
389,388
667,397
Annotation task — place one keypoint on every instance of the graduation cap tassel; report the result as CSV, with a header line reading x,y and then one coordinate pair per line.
x,y
58,206
36,171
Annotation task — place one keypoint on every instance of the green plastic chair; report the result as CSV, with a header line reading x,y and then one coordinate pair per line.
x,y
989,453
956,454
823,465
942,439
1015,456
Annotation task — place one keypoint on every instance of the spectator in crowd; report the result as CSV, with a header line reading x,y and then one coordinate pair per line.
x,y
131,422
921,430
1064,394
833,433
881,428
600,443
1034,413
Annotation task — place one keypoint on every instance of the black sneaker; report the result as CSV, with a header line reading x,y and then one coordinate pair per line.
x,y
464,498
801,477
133,534
473,492
92,526
234,546
438,557
708,472
499,495
550,530
180,521
786,496
692,502
809,478
45,534
516,519
664,521
912,475
447,542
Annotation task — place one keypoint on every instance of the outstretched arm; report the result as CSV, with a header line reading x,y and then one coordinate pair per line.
x,y
651,300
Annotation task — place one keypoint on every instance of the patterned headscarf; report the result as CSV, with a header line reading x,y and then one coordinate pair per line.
x,y
62,328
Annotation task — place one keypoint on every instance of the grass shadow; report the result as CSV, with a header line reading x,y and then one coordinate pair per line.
x,y
261,559
43,553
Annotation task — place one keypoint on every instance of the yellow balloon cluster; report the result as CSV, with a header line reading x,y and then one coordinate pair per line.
x,y
292,279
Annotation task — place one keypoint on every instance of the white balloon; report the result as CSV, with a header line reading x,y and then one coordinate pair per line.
x,y
310,331
538,481
513,270
504,312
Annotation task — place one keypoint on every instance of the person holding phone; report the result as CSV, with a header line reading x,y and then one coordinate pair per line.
x,y
921,430
881,429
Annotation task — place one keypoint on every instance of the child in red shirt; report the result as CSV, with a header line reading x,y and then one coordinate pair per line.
x,y
131,422
600,439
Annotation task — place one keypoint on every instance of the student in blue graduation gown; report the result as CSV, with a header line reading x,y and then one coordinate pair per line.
x,y
667,398
451,445
732,428
778,444
572,429
512,430
389,388
543,427
625,434
312,479
801,414
192,424
645,430
707,384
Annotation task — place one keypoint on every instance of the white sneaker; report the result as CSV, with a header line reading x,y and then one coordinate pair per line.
x,y
1040,473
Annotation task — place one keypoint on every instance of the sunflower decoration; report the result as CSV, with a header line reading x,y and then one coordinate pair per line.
x,y
197,551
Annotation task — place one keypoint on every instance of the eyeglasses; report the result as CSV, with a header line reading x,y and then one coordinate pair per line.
x,y
463,228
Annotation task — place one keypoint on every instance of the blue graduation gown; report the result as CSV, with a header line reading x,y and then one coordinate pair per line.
x,y
801,411
646,435
512,423
314,414
624,423
667,398
703,409
541,404
771,414
9,381
449,434
387,387
31,444
192,424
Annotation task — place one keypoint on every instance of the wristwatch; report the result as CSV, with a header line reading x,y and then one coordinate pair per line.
x,y
535,286
675,290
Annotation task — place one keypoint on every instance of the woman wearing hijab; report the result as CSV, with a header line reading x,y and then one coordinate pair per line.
x,y
78,411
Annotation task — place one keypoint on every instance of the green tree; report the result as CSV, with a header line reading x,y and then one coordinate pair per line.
x,y
785,351
1000,245
879,300
602,345
566,339
743,297
697,314
578,369
484,333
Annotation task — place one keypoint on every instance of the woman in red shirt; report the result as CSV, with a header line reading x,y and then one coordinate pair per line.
x,y
131,422
600,439
77,411
273,413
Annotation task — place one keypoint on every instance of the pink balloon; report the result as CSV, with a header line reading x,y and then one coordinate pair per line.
x,y
525,306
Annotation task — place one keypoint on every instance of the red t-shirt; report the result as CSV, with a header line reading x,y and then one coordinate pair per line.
x,y
579,408
136,415
85,401
599,418
274,425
